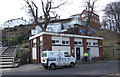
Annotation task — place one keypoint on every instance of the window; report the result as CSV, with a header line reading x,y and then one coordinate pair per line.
x,y
55,41
95,44
88,43
34,44
44,54
78,43
41,42
66,54
67,42
63,42
75,42
83,15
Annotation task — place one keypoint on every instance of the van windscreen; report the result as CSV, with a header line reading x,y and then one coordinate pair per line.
x,y
44,54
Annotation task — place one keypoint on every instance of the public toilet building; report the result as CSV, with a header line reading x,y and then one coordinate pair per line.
x,y
76,45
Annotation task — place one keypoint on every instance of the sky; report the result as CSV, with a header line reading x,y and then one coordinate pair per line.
x,y
12,9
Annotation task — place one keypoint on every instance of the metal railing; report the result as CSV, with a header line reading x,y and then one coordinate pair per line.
x,y
2,49
14,55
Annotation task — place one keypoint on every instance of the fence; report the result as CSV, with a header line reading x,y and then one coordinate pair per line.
x,y
110,52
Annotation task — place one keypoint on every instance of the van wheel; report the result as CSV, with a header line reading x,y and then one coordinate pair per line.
x,y
45,67
52,66
72,64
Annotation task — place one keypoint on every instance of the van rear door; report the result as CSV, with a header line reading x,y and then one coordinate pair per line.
x,y
44,57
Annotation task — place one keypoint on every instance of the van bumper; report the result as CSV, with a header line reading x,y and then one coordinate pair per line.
x,y
44,64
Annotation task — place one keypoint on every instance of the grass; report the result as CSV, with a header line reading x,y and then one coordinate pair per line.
x,y
25,52
110,39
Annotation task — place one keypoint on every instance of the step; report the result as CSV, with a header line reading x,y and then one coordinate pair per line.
x,y
4,60
9,66
7,53
6,57
5,63
5,69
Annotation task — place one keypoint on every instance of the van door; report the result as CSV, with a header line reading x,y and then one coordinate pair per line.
x,y
67,58
60,59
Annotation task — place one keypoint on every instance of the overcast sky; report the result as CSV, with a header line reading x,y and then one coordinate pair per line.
x,y
11,9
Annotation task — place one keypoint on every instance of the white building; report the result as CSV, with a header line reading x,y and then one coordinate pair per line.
x,y
15,22
76,45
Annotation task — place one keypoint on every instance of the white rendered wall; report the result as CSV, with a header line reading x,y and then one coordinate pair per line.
x,y
60,39
34,52
94,52
61,48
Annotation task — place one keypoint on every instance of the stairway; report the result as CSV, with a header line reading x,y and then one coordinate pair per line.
x,y
6,59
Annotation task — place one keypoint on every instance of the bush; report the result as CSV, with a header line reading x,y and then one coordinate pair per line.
x,y
25,53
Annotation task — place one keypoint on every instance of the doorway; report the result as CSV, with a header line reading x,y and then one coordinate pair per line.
x,y
77,53
89,53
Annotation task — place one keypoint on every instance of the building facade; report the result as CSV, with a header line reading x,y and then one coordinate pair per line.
x,y
76,45
94,22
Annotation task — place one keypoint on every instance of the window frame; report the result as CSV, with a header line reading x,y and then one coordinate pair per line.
x,y
68,55
55,41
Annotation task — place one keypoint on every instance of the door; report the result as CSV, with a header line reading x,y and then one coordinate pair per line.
x,y
89,53
67,58
77,53
59,59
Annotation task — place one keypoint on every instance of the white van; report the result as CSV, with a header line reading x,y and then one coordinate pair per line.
x,y
53,59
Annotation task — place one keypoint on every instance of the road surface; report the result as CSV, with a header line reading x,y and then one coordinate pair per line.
x,y
100,68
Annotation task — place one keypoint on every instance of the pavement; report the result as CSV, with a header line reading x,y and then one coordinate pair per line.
x,y
32,67
24,67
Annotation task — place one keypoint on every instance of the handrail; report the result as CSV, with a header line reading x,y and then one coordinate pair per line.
x,y
3,48
14,55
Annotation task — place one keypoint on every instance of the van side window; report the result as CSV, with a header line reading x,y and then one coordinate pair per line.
x,y
44,54
66,54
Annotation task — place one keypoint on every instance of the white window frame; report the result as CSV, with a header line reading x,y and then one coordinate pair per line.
x,y
56,42
95,44
77,43
66,42
89,43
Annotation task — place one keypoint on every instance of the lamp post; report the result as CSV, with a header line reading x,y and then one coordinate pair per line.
x,y
118,49
8,33
113,49
21,55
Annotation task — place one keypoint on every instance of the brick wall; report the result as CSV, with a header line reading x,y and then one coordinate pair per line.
x,y
93,24
100,43
38,50
84,45
72,46
31,45
47,42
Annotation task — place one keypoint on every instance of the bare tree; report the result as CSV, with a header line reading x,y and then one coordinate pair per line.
x,y
47,8
112,14
90,5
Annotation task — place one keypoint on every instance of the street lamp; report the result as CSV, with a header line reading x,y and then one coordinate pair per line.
x,y
8,33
